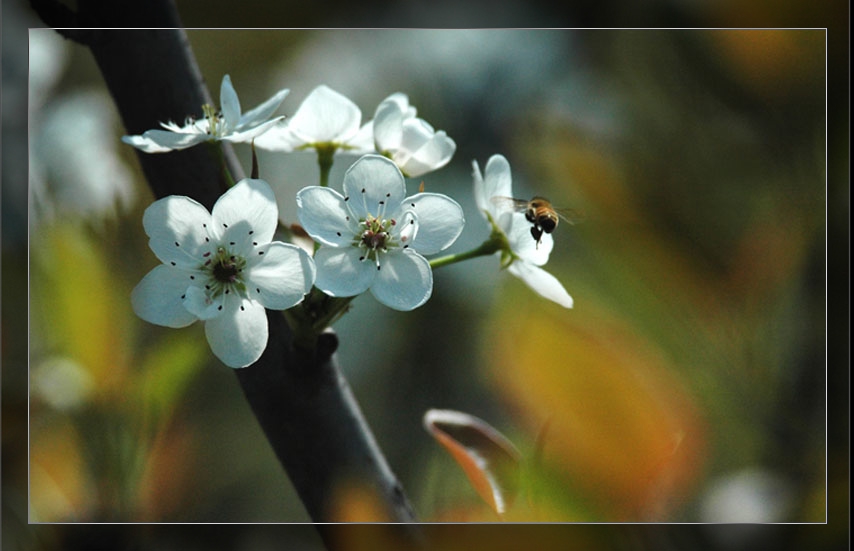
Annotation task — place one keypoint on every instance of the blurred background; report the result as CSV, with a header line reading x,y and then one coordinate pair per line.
x,y
688,384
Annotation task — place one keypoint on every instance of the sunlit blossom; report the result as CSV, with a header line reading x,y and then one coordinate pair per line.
x,y
325,120
373,236
414,146
523,255
222,268
230,125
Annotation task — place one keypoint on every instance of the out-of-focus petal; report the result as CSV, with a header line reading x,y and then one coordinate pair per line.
x,y
326,116
163,141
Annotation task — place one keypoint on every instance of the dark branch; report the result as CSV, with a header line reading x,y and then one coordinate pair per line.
x,y
300,398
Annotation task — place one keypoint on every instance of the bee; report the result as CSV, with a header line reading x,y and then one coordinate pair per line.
x,y
539,212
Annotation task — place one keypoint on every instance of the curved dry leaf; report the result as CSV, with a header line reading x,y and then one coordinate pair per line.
x,y
490,461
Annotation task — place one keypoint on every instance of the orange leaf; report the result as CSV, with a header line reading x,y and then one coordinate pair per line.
x,y
490,461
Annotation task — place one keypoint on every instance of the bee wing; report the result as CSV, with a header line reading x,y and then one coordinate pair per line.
x,y
571,216
509,203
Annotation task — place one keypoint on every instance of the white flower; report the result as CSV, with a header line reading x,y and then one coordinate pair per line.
x,y
325,119
407,140
370,235
525,254
230,125
221,267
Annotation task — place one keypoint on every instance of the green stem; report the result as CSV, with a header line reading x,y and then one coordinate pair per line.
x,y
313,315
488,247
325,158
227,178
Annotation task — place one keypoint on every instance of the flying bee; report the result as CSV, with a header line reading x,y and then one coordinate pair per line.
x,y
539,212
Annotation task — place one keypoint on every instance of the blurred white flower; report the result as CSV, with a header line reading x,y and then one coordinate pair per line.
x,y
370,235
230,125
221,267
409,141
61,382
523,255
325,120
751,495
75,167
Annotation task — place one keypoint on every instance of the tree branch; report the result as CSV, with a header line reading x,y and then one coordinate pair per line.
x,y
299,397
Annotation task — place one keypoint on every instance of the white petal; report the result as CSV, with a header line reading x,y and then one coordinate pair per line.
x,y
340,273
440,221
278,138
542,282
229,104
158,297
362,142
405,281
433,154
249,133
246,213
497,180
163,141
238,336
326,116
323,213
388,122
176,226
522,242
196,301
282,278
261,113
373,185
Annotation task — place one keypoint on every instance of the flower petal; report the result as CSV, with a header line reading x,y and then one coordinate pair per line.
x,y
246,213
373,185
405,281
440,218
229,104
158,297
249,133
340,273
176,227
326,116
282,278
323,213
278,138
432,154
196,301
544,283
496,182
163,141
261,113
238,336
522,242
388,121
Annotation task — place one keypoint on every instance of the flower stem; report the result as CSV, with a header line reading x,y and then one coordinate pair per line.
x,y
227,180
325,158
488,247
313,315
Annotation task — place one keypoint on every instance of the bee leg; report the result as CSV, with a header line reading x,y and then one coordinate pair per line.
x,y
536,233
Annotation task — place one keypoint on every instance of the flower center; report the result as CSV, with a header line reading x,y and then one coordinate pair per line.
x,y
214,118
225,271
380,235
377,234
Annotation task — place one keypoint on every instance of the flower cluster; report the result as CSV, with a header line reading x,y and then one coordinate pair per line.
x,y
224,268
